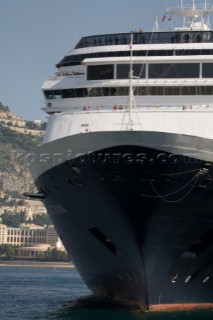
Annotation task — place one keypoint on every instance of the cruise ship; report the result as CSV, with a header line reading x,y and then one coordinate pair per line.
x,y
125,168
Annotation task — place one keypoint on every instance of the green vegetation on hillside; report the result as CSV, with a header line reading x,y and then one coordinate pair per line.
x,y
34,126
4,108
41,220
15,142
6,164
18,140
14,220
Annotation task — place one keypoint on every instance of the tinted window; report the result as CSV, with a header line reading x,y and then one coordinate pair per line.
x,y
207,70
124,91
123,71
205,90
81,92
53,94
100,72
141,37
175,70
68,93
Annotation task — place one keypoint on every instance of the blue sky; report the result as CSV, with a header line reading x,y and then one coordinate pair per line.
x,y
36,34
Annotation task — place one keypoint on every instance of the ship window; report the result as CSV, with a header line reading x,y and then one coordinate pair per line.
x,y
141,91
104,91
81,92
48,94
205,90
57,94
100,72
172,91
175,70
95,92
102,238
108,91
145,37
53,94
123,71
68,93
78,58
122,91
138,91
156,91
188,91
207,70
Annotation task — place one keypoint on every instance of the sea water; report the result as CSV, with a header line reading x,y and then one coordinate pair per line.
x,y
36,293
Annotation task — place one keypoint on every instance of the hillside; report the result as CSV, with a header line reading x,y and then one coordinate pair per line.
x,y
17,137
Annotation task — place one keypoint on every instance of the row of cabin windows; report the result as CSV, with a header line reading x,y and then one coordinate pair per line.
x,y
124,91
76,59
151,71
146,37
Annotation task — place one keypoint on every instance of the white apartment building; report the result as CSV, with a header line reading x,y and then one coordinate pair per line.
x,y
3,234
52,236
29,235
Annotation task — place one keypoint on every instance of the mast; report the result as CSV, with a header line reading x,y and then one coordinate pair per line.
x,y
194,15
131,96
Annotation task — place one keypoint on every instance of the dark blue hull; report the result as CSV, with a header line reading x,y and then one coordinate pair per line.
x,y
137,223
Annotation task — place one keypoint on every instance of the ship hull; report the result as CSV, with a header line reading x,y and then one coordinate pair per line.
x,y
136,220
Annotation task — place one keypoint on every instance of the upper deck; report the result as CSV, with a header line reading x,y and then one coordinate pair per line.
x,y
147,38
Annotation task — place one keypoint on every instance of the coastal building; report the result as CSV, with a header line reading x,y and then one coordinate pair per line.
x,y
51,236
30,210
26,235
13,209
30,235
36,251
3,234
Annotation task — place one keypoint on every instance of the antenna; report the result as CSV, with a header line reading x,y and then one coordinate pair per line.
x,y
192,12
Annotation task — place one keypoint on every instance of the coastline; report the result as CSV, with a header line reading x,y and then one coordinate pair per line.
x,y
38,264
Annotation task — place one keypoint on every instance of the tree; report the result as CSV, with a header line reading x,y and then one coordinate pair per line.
x,y
32,126
58,255
49,254
42,220
4,108
21,202
7,251
18,140
13,220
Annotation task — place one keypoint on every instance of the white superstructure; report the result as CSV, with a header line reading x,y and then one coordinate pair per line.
x,y
172,81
